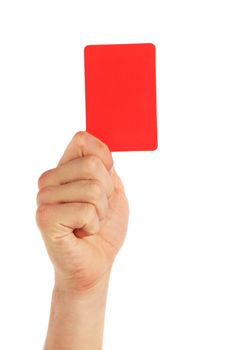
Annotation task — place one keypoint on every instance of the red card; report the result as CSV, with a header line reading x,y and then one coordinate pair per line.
x,y
120,91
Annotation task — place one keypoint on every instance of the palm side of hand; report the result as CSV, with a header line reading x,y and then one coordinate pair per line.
x,y
81,260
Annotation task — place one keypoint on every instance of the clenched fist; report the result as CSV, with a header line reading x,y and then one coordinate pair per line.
x,y
82,213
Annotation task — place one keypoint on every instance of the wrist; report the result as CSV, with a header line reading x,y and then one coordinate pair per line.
x,y
77,318
78,290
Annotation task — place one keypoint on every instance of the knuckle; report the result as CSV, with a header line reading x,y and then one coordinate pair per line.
x,y
107,148
44,194
42,214
90,211
93,163
43,179
102,146
79,137
90,222
104,149
96,189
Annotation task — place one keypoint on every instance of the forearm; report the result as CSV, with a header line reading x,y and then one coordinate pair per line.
x,y
77,322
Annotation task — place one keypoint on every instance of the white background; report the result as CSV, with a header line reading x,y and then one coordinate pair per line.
x,y
172,283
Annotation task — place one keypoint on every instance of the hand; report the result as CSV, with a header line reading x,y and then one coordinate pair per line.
x,y
82,214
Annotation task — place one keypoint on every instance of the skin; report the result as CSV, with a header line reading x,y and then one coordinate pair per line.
x,y
82,215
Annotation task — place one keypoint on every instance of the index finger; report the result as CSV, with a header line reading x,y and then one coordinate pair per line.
x,y
84,143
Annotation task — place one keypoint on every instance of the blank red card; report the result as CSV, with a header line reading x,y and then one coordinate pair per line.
x,y
120,91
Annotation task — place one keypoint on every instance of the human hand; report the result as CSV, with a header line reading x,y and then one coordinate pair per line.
x,y
82,214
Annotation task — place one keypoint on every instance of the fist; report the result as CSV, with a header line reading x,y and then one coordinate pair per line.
x,y
82,213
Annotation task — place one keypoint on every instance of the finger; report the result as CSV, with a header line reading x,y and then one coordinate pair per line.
x,y
89,167
58,220
83,191
82,144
